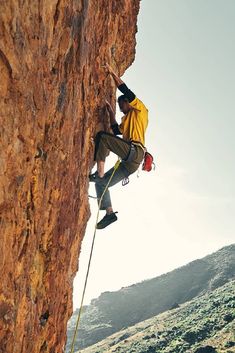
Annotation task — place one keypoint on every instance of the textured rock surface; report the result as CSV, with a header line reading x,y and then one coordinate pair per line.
x,y
52,90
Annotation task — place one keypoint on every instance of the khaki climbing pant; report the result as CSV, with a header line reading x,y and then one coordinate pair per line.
x,y
106,142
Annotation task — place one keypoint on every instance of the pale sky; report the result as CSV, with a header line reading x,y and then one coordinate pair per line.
x,y
184,73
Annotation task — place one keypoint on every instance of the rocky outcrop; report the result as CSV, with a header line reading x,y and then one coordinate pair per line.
x,y
52,90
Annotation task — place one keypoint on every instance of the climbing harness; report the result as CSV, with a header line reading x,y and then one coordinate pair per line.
x,y
125,181
91,252
131,154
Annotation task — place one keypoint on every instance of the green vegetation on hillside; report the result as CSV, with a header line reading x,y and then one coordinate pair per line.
x,y
204,325
113,311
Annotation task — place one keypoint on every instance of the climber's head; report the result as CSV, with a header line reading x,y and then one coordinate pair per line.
x,y
124,104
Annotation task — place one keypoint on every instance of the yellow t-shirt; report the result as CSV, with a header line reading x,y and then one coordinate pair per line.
x,y
135,122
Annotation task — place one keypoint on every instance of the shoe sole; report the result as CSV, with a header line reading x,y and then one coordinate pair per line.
x,y
102,227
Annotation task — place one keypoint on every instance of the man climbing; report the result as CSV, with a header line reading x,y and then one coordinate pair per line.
x,y
130,148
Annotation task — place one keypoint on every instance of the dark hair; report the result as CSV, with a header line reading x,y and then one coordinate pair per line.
x,y
122,98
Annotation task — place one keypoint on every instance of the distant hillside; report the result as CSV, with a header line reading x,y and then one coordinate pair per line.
x,y
113,311
204,325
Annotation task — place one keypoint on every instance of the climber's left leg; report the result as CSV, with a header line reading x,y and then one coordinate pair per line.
x,y
105,142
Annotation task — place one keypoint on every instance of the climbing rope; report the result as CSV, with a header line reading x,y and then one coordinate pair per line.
x,y
91,252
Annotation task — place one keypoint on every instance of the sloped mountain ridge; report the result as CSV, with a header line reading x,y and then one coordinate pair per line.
x,y
205,324
112,311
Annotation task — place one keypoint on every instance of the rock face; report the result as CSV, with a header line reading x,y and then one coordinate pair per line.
x,y
52,90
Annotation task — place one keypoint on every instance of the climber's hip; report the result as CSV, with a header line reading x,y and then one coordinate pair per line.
x,y
131,154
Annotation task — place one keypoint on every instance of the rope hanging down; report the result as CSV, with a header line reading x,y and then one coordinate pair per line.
x,y
89,263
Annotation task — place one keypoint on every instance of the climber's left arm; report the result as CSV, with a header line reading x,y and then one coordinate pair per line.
x,y
134,102
113,121
127,92
120,84
116,78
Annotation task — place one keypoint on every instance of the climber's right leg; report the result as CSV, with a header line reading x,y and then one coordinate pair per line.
x,y
106,203
101,184
105,142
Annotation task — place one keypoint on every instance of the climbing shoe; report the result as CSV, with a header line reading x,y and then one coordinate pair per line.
x,y
94,177
107,220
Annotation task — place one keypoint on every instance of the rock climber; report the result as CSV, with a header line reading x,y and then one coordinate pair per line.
x,y
130,148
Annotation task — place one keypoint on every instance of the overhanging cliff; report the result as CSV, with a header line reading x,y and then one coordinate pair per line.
x,y
52,92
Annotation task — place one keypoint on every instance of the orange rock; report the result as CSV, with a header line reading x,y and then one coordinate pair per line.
x,y
52,94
